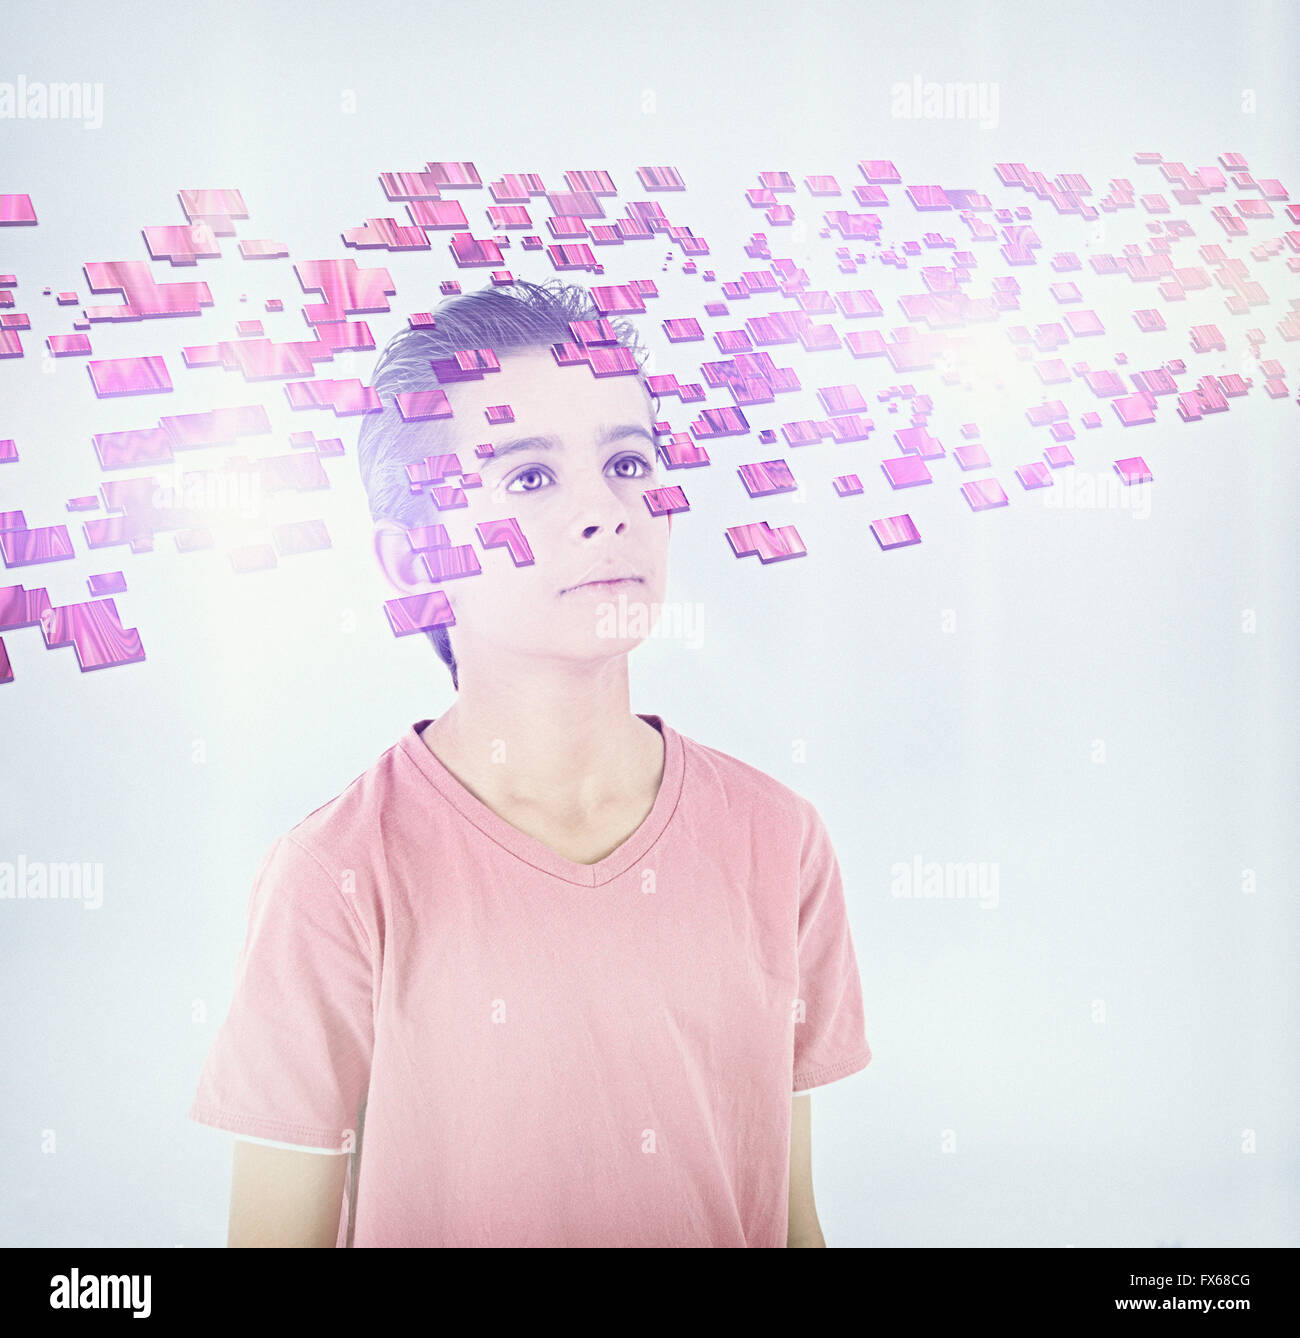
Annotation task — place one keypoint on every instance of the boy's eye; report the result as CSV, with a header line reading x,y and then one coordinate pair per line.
x,y
531,472
644,465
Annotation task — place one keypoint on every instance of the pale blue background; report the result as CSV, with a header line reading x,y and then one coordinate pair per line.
x,y
1119,881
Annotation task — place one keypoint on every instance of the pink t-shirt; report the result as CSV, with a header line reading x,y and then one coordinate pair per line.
x,y
520,1050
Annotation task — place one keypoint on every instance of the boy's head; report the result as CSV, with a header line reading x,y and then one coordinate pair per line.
x,y
575,489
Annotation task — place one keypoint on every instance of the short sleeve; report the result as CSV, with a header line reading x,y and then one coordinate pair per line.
x,y
291,1061
830,1039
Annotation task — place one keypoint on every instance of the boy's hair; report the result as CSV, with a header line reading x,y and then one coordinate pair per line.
x,y
503,317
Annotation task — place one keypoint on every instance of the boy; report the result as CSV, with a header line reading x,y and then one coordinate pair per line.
x,y
549,973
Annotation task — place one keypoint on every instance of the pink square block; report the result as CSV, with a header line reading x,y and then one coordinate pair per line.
x,y
972,456
906,471
1133,470
984,494
895,532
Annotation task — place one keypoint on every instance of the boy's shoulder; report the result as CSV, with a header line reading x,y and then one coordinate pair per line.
x,y
354,818
743,782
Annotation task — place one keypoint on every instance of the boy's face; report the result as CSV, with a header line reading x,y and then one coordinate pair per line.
x,y
577,497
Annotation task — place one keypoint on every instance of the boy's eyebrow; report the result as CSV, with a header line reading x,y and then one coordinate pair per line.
x,y
607,434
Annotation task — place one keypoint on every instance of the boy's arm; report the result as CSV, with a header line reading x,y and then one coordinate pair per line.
x,y
284,1199
804,1229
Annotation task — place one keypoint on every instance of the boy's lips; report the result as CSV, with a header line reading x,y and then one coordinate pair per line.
x,y
601,582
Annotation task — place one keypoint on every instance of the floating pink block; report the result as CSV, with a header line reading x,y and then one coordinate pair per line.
x,y
1134,409
1084,323
418,405
665,501
847,485
182,244
6,670
16,209
95,632
142,294
1035,475
20,607
253,557
448,562
216,208
108,583
1058,456
24,548
983,494
303,536
505,534
895,532
767,478
129,376
497,414
1091,419
971,455
918,441
1133,470
419,613
770,545
906,471
345,397
62,346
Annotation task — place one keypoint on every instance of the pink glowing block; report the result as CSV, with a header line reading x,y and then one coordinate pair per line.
x,y
1035,475
918,441
448,562
665,501
253,557
129,376
1091,419
24,548
906,471
1058,456
20,607
1083,323
108,583
422,537
770,545
505,534
418,405
182,244
419,613
216,208
345,397
983,494
972,455
6,670
895,532
95,632
16,209
142,294
767,478
302,536
1133,470
62,346
1135,409
499,413
847,485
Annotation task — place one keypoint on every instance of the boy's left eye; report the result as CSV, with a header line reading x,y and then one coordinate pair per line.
x,y
634,460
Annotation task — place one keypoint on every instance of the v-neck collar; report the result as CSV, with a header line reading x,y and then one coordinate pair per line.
x,y
536,853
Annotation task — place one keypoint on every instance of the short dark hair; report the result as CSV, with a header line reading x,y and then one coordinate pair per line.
x,y
506,318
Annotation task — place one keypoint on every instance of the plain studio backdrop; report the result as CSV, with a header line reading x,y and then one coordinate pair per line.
x,y
1093,705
